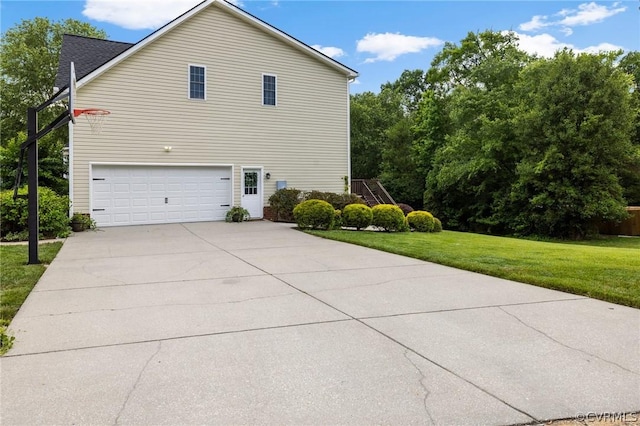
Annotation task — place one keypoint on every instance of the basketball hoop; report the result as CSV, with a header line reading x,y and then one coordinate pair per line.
x,y
95,117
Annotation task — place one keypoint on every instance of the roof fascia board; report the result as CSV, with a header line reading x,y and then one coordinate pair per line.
x,y
351,74
287,38
145,41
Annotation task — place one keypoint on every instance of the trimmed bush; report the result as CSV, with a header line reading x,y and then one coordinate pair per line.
x,y
282,203
338,201
53,212
337,219
421,221
314,214
406,208
389,217
357,216
437,225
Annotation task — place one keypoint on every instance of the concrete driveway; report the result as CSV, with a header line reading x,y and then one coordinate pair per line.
x,y
257,323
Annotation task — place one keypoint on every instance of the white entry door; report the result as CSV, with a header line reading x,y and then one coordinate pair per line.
x,y
136,195
251,191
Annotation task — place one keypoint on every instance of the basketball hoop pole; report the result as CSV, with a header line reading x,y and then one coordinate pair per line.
x,y
31,145
32,166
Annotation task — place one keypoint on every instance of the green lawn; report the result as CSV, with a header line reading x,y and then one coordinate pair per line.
x,y
606,268
17,278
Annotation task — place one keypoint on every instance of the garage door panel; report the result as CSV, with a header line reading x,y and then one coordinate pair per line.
x,y
122,202
130,195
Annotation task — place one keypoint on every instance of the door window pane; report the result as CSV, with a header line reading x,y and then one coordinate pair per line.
x,y
250,183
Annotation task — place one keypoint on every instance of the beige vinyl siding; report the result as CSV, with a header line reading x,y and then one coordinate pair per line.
x,y
303,140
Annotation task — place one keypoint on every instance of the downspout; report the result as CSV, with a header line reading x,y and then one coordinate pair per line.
x,y
349,80
70,164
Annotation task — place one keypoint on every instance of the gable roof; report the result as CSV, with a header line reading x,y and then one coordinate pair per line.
x,y
101,55
87,53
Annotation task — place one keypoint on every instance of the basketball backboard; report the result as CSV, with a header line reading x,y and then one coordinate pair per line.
x,y
72,92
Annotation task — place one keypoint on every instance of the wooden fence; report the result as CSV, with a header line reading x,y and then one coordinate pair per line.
x,y
631,226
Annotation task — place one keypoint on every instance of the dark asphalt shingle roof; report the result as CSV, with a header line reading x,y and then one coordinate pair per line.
x,y
87,54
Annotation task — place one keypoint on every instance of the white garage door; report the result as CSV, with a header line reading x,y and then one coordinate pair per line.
x,y
136,195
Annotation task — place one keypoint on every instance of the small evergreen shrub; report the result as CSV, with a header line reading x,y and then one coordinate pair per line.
x,y
437,225
237,214
389,217
421,221
282,203
357,216
314,214
406,208
53,210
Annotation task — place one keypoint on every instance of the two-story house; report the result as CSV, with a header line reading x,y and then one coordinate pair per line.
x,y
217,108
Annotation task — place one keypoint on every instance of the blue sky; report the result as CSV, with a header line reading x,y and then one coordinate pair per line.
x,y
379,39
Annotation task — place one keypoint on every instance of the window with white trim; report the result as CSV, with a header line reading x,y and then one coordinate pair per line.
x,y
197,82
268,89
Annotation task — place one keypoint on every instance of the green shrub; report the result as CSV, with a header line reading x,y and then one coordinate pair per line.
x,y
406,208
437,225
357,216
315,214
338,201
237,214
53,212
16,236
389,217
421,221
337,219
282,203
13,213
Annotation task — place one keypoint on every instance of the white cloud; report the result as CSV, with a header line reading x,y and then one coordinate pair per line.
x,y
332,52
566,31
585,14
590,13
542,44
602,47
139,14
356,81
388,46
546,45
534,24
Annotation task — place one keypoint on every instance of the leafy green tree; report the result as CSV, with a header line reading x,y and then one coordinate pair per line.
x,y
474,156
431,124
410,86
30,52
469,63
577,121
51,163
630,173
367,128
400,174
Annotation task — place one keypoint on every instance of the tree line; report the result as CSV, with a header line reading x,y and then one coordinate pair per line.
x,y
492,139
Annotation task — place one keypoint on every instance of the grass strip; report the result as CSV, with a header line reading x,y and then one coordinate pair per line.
x,y
17,278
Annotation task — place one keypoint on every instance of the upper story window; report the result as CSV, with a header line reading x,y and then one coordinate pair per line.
x,y
268,89
197,82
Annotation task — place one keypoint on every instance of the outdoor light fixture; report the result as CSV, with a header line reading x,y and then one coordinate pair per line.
x,y
168,148
268,176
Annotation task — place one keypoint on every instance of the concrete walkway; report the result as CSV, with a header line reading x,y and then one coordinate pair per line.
x,y
257,323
